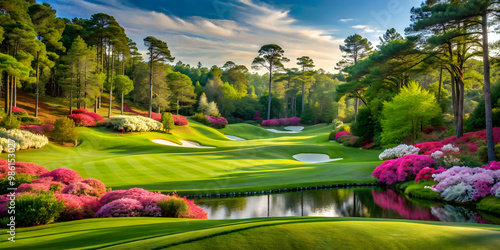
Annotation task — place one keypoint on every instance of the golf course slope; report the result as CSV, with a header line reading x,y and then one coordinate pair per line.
x,y
266,233
263,162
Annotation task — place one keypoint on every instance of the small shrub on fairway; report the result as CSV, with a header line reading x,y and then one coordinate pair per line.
x,y
64,130
168,122
33,210
173,207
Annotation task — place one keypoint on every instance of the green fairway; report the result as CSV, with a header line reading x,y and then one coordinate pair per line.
x,y
262,163
264,233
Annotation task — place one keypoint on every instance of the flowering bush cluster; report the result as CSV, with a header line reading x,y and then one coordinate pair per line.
x,y
88,198
95,116
446,156
38,129
17,110
402,169
133,123
82,120
398,152
464,184
219,122
426,173
294,121
23,139
341,133
22,168
156,116
469,140
257,116
180,120
427,148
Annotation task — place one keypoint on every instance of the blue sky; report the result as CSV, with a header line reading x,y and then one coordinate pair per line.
x,y
216,31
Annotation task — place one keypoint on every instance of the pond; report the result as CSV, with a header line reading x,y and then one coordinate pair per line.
x,y
341,202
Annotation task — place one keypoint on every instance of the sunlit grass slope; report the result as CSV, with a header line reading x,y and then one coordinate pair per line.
x,y
265,233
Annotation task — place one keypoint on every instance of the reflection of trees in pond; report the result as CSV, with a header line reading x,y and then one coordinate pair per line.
x,y
230,204
451,213
388,199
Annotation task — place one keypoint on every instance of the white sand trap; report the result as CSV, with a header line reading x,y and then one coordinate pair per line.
x,y
235,138
314,158
294,128
185,144
289,130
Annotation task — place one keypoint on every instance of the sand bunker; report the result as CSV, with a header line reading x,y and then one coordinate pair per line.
x,y
290,130
235,138
314,158
185,144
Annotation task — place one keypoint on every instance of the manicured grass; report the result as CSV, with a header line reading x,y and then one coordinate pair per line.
x,y
418,190
263,163
262,233
490,204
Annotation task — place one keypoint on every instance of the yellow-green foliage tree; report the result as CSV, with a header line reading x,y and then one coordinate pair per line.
x,y
410,111
64,130
168,122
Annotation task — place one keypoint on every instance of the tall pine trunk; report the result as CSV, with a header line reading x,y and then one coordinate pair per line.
x,y
111,83
487,91
269,101
37,81
150,83
121,109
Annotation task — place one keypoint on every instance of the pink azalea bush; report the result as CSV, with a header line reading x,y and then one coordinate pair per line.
x,y
427,148
79,111
82,120
47,127
80,188
78,207
464,184
124,207
64,175
293,121
402,169
35,129
494,165
217,122
17,110
341,133
95,116
156,116
98,186
49,182
469,140
22,168
257,116
180,120
426,173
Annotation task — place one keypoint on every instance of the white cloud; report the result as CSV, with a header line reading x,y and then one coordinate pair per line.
x,y
366,28
215,41
346,20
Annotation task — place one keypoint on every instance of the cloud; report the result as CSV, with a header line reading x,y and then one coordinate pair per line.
x,y
347,20
367,28
215,41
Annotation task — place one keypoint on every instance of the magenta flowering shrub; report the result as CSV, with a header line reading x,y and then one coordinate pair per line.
x,y
47,127
124,207
494,165
194,212
79,111
156,116
82,120
180,120
142,195
402,169
35,188
464,184
426,173
341,133
293,121
99,187
95,116
64,175
35,129
79,188
427,148
218,123
54,186
257,116
30,168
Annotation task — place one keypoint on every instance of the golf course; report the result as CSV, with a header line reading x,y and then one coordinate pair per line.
x,y
264,161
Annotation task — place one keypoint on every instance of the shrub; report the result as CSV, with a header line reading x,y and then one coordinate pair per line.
x,y
124,207
398,152
155,116
464,184
482,153
78,207
35,129
79,189
471,138
79,111
133,123
10,122
218,123
30,168
19,179
180,120
428,148
257,116
341,133
425,174
64,175
48,183
194,211
33,210
47,127
337,124
17,110
30,120
332,135
168,122
402,169
293,121
95,116
23,139
201,118
64,130
82,120
173,207
97,185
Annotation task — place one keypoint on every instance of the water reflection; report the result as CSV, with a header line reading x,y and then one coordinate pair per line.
x,y
351,202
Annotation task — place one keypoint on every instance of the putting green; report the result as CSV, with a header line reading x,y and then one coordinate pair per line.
x,y
262,162
262,233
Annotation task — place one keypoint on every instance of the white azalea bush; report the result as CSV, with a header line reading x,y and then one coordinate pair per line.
x,y
23,139
447,156
133,123
398,152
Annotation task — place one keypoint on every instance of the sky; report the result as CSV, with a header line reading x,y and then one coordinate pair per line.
x,y
215,31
